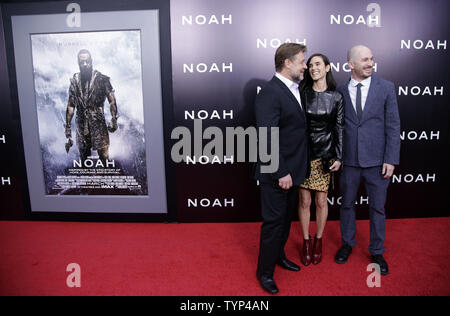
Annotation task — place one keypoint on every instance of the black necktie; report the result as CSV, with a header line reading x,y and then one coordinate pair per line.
x,y
359,110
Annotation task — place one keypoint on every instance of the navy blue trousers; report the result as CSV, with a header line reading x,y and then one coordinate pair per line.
x,y
376,188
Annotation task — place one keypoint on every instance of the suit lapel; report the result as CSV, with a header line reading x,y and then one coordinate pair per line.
x,y
350,110
370,96
289,94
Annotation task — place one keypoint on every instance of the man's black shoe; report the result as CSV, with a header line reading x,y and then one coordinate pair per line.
x,y
288,265
268,284
343,254
384,268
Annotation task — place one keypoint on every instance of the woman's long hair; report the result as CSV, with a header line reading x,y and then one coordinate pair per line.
x,y
308,81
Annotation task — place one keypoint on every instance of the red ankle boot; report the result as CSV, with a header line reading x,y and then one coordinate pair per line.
x,y
306,253
317,250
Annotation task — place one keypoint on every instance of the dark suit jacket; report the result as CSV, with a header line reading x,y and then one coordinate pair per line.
x,y
376,139
276,106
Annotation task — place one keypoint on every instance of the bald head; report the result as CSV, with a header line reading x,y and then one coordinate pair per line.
x,y
356,51
360,60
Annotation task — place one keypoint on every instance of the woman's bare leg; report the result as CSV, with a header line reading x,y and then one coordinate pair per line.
x,y
304,212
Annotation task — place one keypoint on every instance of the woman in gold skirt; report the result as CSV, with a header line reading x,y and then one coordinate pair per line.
x,y
324,109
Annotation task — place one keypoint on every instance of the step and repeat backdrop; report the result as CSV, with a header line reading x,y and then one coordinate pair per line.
x,y
11,158
222,53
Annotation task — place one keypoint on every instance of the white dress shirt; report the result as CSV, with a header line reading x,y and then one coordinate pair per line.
x,y
364,91
292,86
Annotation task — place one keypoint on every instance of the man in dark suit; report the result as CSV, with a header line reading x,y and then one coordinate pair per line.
x,y
278,105
371,149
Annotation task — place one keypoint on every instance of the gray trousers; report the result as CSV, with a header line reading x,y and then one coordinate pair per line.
x,y
376,188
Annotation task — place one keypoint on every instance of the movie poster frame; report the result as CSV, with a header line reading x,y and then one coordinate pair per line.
x,y
163,11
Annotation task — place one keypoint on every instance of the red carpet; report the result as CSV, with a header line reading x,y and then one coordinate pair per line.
x,y
211,259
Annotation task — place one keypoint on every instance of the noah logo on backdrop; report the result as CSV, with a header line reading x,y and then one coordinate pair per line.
x,y
213,19
362,200
205,202
207,68
2,139
208,115
276,42
372,20
338,67
5,181
425,45
419,135
420,91
206,160
414,178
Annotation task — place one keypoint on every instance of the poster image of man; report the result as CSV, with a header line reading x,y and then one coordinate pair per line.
x,y
87,93
82,81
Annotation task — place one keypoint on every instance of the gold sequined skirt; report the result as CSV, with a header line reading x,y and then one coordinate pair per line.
x,y
318,179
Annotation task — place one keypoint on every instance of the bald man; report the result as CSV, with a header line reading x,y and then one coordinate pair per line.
x,y
371,150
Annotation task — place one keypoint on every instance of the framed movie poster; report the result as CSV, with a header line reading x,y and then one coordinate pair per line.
x,y
90,101
97,146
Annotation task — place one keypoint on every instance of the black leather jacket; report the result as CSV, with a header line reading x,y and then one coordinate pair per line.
x,y
325,119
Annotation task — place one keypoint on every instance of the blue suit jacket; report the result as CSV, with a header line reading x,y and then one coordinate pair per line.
x,y
376,139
